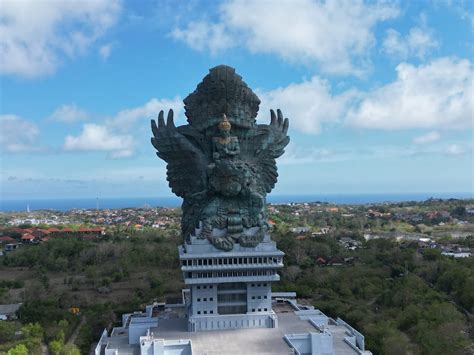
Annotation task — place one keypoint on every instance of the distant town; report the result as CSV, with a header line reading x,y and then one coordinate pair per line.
x,y
65,276
425,222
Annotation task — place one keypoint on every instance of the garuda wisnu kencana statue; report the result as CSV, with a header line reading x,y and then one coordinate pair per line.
x,y
222,163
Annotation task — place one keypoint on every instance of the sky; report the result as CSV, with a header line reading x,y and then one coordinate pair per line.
x,y
379,94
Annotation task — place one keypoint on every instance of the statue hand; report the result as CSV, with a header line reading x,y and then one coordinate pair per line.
x,y
163,129
277,121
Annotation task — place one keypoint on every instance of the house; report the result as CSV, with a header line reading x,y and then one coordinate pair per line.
x,y
8,311
321,261
335,261
28,238
349,243
300,230
54,230
457,254
12,246
350,260
7,239
322,231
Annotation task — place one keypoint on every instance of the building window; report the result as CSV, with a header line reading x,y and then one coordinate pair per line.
x,y
211,312
204,299
253,285
199,300
204,287
253,309
198,287
253,297
259,309
259,297
210,286
264,285
265,297
199,312
265,309
211,299
205,312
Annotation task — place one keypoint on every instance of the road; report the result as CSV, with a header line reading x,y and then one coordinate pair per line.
x,y
72,338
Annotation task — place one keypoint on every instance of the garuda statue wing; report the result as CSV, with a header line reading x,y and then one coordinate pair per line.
x,y
267,144
182,148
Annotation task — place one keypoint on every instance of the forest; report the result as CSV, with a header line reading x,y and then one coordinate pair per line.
x,y
403,299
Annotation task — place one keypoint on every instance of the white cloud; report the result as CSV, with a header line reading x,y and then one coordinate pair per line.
x,y
308,104
35,36
436,95
305,155
337,35
455,149
68,114
18,135
118,133
200,35
419,42
129,118
105,50
100,138
429,137
300,155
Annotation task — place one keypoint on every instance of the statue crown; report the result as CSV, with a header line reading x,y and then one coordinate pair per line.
x,y
224,125
222,90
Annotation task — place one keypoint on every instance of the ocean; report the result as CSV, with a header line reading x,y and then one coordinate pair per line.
x,y
104,203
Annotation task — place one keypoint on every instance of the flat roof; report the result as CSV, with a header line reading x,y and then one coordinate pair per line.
x,y
238,341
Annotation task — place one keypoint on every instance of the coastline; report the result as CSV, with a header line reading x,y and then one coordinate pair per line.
x,y
16,205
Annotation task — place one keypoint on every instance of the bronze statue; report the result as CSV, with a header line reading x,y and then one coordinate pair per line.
x,y
222,163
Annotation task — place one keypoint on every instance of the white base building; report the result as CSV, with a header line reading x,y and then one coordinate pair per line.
x,y
229,308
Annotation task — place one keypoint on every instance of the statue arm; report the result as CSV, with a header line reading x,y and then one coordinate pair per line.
x,y
186,169
269,144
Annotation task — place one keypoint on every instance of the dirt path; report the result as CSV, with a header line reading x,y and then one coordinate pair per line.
x,y
72,338
44,349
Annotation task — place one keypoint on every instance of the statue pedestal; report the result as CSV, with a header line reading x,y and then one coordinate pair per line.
x,y
230,290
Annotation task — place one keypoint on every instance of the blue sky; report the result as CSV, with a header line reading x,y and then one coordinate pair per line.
x,y
379,93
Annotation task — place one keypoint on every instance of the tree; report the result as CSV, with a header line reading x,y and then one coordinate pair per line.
x,y
396,343
459,211
292,272
70,349
7,331
32,330
55,346
20,349
431,254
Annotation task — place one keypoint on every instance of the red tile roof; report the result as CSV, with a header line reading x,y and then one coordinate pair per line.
x,y
91,230
89,236
28,237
